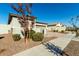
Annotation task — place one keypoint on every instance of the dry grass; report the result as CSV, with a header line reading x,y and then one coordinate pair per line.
x,y
73,48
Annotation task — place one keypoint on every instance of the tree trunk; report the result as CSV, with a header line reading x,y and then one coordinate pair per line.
x,y
26,38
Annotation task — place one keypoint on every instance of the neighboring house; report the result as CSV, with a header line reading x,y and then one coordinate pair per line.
x,y
40,27
57,27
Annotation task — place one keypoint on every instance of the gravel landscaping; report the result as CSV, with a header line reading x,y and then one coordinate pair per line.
x,y
9,47
73,48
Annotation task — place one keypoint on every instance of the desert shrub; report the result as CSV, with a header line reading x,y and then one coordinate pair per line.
x,y
56,30
53,30
77,33
37,37
31,33
16,37
62,31
2,50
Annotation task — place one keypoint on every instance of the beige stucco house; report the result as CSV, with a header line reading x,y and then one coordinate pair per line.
x,y
15,25
56,26
16,28
40,27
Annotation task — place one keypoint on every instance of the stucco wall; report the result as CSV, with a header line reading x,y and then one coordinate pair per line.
x,y
4,29
16,27
40,28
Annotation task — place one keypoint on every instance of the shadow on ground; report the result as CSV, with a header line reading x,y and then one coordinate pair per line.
x,y
1,37
55,49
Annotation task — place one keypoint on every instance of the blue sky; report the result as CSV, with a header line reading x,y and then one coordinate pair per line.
x,y
45,12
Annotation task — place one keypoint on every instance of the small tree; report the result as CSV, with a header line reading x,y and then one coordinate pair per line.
x,y
75,24
22,10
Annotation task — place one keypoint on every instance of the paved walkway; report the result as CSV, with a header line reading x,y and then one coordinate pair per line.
x,y
41,49
63,41
35,51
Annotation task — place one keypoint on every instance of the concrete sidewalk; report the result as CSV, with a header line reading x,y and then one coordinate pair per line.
x,y
35,51
41,49
63,41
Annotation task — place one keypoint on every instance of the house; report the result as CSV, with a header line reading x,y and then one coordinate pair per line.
x,y
56,27
40,27
15,25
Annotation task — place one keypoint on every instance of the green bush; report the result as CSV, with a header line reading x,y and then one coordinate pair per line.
x,y
16,37
31,33
56,30
37,37
62,31
53,30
